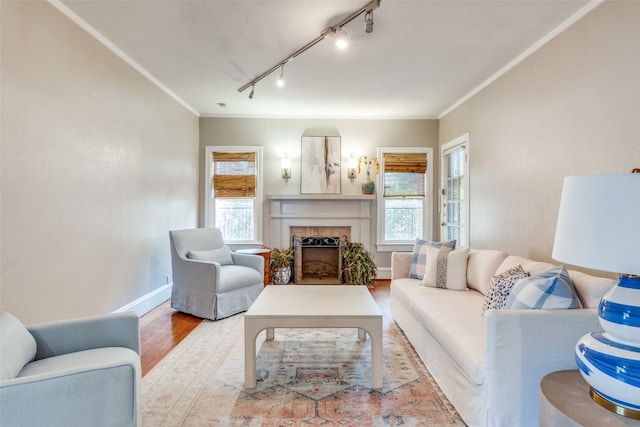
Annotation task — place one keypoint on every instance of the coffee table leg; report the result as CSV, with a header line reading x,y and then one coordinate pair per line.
x,y
251,331
270,334
376,354
362,334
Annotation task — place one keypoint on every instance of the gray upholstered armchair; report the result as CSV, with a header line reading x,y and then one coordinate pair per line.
x,y
81,372
209,280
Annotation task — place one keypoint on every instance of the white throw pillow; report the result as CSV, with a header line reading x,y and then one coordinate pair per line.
x,y
446,268
222,255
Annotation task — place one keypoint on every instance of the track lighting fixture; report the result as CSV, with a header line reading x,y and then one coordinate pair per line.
x,y
367,9
368,22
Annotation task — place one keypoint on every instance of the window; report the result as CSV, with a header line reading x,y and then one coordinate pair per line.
x,y
455,191
404,201
233,192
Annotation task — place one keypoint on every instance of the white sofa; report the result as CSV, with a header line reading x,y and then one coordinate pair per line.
x,y
490,366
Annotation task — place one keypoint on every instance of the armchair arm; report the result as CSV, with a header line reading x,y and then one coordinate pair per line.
x,y
98,387
68,336
253,261
196,274
522,346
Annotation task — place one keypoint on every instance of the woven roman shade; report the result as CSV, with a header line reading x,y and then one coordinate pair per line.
x,y
404,174
234,174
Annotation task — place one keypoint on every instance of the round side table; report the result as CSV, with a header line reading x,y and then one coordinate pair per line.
x,y
565,401
264,253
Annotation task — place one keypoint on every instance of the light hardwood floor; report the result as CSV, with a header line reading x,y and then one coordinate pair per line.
x,y
163,327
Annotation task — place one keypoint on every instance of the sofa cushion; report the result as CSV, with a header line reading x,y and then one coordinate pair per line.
x,y
234,277
446,269
482,266
500,287
81,361
221,255
419,256
551,289
590,289
454,319
17,346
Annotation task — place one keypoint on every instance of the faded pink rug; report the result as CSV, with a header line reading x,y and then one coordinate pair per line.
x,y
306,377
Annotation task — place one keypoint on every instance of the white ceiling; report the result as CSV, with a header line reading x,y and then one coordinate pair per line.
x,y
422,57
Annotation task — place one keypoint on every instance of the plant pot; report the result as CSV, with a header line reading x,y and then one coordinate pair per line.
x,y
368,187
281,276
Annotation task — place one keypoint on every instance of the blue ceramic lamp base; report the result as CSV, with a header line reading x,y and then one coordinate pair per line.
x,y
610,361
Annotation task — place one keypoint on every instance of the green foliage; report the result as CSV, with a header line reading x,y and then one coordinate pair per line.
x,y
281,258
358,267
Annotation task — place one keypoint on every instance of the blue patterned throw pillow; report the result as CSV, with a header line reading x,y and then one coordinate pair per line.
x,y
551,289
419,256
500,287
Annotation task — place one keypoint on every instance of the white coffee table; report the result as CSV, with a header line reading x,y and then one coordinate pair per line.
x,y
313,306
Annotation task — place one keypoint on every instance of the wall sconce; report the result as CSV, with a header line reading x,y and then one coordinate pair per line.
x,y
286,167
352,169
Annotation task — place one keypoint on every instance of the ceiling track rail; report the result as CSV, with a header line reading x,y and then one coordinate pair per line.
x,y
372,5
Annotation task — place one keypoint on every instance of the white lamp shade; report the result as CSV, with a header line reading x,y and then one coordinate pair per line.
x,y
599,223
285,163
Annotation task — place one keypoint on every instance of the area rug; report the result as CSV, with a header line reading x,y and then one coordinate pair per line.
x,y
306,377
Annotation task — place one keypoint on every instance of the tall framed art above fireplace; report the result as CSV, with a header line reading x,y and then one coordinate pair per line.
x,y
320,158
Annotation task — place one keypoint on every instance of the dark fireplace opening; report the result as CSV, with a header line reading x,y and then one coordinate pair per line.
x,y
317,260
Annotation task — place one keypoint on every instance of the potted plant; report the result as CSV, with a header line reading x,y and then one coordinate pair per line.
x,y
358,267
281,262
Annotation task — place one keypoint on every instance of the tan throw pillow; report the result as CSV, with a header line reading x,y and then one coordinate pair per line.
x,y
446,269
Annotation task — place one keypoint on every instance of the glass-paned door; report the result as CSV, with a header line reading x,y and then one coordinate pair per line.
x,y
454,192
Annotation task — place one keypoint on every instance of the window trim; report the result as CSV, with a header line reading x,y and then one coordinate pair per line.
x,y
209,211
427,203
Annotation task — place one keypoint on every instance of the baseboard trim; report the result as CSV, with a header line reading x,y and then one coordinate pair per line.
x,y
384,273
148,302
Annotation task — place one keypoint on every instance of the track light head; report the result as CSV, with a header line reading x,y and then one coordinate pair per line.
x,y
280,81
253,86
341,41
368,21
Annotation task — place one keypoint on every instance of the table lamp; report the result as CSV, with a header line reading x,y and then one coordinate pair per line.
x,y
599,228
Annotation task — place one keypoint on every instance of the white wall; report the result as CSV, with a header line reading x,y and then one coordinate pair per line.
x,y
570,109
97,165
278,136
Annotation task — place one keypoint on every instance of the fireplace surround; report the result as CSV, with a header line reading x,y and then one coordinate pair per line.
x,y
315,213
300,220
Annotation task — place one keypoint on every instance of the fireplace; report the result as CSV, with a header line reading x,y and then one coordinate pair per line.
x,y
318,254
317,260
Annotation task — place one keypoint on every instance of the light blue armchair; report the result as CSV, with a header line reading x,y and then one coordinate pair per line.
x,y
81,372
209,280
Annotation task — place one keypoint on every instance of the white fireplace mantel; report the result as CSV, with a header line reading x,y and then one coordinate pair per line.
x,y
334,210
320,197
